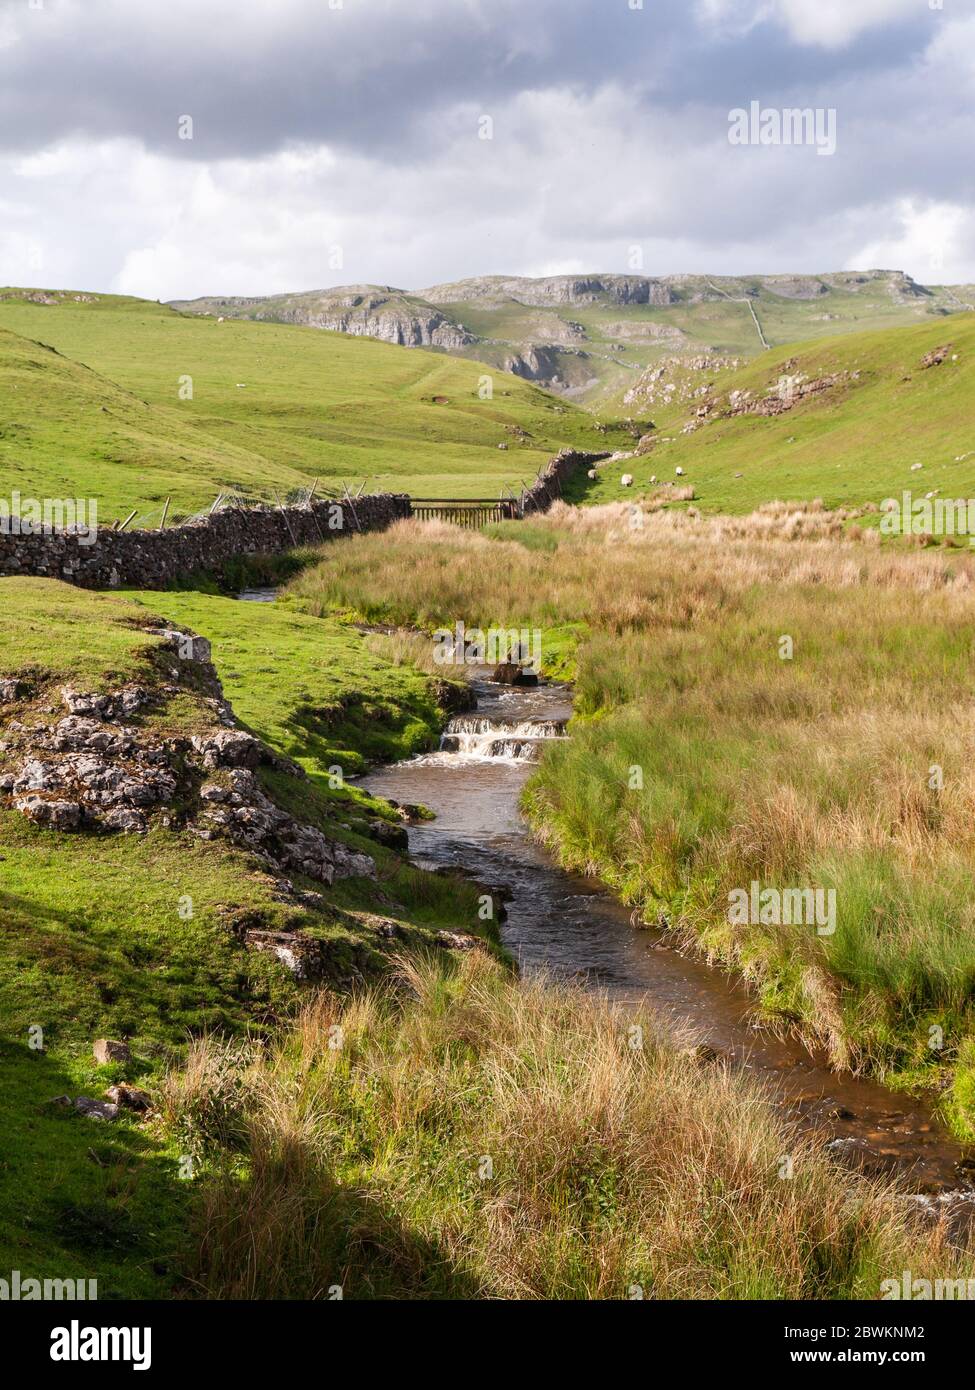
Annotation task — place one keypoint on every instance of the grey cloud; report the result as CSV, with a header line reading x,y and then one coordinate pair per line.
x,y
374,75
610,129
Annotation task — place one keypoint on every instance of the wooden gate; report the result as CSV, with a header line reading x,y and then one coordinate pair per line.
x,y
470,512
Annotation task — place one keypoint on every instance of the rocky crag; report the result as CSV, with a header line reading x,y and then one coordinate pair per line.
x,y
364,311
90,763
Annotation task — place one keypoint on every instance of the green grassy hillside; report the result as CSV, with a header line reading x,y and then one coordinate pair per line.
x,y
603,344
588,336
92,939
68,431
855,442
273,407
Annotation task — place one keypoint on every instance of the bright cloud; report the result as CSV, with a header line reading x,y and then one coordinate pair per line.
x,y
357,128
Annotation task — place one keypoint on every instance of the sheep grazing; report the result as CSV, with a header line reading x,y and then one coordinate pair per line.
x,y
626,480
679,471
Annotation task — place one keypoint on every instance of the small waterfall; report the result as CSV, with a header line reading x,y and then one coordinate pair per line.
x,y
518,740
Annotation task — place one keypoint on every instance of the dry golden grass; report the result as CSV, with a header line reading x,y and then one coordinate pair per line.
x,y
404,648
814,770
475,1137
617,567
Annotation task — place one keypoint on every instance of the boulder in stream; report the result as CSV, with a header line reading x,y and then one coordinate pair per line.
x,y
510,673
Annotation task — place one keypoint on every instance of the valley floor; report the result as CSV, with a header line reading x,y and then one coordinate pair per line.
x,y
418,1122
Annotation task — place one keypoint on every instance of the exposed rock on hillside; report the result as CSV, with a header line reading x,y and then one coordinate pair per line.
x,y
787,392
236,807
636,330
554,289
795,286
679,380
535,363
98,766
367,311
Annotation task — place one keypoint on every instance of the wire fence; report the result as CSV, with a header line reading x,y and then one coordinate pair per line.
x,y
162,515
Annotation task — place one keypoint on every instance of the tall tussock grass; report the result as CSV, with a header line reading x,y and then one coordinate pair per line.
x,y
457,1134
843,766
839,760
620,567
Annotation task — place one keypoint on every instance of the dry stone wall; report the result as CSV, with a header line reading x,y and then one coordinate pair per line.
x,y
108,559
547,487
152,559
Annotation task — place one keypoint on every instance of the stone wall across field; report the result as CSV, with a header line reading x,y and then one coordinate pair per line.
x,y
152,559
547,487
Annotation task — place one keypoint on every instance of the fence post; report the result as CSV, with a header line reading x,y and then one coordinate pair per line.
x,y
287,521
355,514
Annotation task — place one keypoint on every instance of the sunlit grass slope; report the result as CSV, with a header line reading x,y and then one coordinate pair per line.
x,y
144,403
855,442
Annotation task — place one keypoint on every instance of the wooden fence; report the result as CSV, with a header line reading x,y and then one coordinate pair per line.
x,y
469,512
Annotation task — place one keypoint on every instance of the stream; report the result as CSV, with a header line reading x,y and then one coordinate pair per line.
x,y
573,929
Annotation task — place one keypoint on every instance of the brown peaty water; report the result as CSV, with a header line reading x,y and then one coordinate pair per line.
x,y
573,929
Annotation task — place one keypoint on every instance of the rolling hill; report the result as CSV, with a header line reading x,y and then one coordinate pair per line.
x,y
587,336
128,401
91,405
851,420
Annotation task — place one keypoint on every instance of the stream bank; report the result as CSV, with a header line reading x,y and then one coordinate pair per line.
x,y
571,928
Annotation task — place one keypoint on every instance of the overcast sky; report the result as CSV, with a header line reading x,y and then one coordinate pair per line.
x,y
341,141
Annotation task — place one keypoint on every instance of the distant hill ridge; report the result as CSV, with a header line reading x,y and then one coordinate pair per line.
x,y
584,334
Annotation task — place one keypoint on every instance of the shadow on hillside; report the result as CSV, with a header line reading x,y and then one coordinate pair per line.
x,y
283,1235
79,1197
14,909
386,1258
578,488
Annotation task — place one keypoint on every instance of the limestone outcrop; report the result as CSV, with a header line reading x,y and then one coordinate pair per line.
x,y
92,763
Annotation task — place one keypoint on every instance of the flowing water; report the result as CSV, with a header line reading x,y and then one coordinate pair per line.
x,y
570,927
264,593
